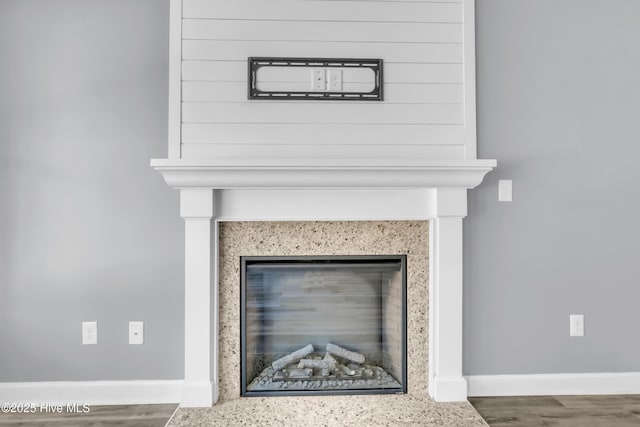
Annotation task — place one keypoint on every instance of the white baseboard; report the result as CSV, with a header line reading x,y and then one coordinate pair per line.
x,y
554,384
448,389
198,394
92,392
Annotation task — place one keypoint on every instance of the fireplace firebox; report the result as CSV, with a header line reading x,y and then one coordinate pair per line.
x,y
323,325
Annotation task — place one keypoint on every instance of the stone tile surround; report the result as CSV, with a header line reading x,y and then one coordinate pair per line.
x,y
324,238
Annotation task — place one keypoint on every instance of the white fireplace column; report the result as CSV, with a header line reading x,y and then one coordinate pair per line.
x,y
446,383
200,387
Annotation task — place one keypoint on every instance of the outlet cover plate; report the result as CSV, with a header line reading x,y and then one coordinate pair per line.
x,y
505,190
576,325
136,333
89,333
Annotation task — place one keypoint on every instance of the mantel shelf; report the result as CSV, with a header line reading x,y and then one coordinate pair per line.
x,y
436,174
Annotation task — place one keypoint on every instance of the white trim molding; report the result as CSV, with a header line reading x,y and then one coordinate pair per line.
x,y
197,208
175,78
204,174
92,392
554,384
470,131
446,383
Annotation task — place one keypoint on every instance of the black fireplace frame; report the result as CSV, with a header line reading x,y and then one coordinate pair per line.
x,y
322,259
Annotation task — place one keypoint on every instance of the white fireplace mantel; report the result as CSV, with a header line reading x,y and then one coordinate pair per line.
x,y
187,173
434,191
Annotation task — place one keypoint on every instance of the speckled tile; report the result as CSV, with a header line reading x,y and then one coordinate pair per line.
x,y
409,238
331,411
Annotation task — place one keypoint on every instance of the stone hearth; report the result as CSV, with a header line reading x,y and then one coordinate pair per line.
x,y
332,411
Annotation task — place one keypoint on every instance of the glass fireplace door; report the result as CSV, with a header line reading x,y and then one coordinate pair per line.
x,y
323,325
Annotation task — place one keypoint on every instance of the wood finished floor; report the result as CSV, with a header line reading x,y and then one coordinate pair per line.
x,y
98,416
560,411
525,411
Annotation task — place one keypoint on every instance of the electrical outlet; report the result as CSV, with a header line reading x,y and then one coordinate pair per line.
x,y
318,80
576,325
136,332
89,333
334,77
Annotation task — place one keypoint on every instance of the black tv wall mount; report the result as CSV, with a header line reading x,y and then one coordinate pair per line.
x,y
327,90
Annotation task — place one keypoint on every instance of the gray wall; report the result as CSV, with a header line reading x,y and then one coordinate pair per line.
x,y
88,230
558,92
83,109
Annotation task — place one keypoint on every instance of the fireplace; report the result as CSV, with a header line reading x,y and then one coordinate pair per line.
x,y
323,325
233,160
212,196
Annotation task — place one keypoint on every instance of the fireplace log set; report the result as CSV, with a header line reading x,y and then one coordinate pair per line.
x,y
304,369
344,353
311,368
292,357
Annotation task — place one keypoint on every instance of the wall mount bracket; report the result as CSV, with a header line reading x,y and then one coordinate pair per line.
x,y
375,65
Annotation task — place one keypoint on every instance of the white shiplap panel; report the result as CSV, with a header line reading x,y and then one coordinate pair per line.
x,y
308,151
393,93
228,71
390,52
175,66
470,79
321,134
323,11
420,41
423,73
319,112
202,29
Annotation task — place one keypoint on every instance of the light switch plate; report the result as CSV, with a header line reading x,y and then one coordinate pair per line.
x,y
505,190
